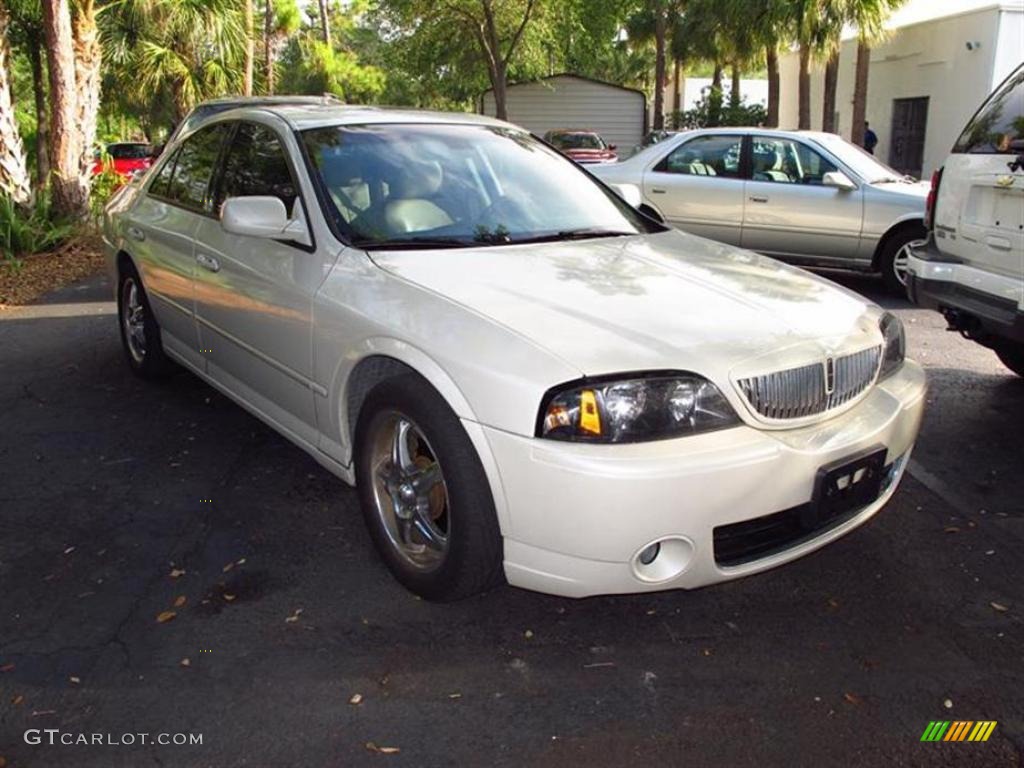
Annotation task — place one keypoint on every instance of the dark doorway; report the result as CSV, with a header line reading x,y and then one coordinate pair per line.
x,y
909,120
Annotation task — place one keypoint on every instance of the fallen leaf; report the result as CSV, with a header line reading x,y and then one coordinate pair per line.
x,y
17,700
41,712
999,607
294,617
176,572
833,603
528,634
185,662
7,668
75,680
454,695
382,750
240,561
165,616
227,567
707,652
69,550
948,703
951,529
229,597
3,762
853,698
356,699
179,601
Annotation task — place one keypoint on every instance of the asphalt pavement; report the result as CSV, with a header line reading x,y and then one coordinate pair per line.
x,y
122,503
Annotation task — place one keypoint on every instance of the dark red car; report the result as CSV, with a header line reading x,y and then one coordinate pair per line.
x,y
582,146
127,158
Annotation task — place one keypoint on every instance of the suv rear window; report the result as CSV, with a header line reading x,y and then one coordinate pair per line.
x,y
998,127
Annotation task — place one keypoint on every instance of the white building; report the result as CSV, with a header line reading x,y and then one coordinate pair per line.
x,y
942,58
618,114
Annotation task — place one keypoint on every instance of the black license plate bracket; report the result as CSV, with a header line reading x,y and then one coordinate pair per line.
x,y
846,485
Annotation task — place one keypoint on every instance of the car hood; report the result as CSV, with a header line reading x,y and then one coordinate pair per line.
x,y
648,302
916,189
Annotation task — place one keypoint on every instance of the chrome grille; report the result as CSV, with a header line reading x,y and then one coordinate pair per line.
x,y
800,392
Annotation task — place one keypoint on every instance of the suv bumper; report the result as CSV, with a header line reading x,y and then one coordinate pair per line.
x,y
974,300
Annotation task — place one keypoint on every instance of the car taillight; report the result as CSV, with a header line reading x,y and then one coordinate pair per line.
x,y
933,196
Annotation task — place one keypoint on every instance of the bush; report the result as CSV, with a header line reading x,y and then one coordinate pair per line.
x,y
104,185
27,231
710,112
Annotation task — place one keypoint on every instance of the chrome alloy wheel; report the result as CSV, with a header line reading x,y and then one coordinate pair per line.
x,y
409,491
900,260
133,319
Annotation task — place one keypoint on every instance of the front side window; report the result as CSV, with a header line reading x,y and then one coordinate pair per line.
x,y
256,165
706,156
194,166
162,180
998,128
785,161
458,185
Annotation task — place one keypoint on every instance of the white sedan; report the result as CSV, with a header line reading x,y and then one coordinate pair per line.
x,y
524,377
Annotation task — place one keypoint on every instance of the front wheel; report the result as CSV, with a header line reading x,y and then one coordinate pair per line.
x,y
1012,356
893,259
424,493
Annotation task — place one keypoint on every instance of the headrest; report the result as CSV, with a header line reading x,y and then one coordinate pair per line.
x,y
417,179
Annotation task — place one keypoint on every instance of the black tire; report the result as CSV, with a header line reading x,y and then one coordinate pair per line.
x,y
1011,355
153,363
472,562
887,257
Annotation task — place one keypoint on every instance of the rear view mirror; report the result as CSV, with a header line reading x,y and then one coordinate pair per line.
x,y
262,216
839,180
630,193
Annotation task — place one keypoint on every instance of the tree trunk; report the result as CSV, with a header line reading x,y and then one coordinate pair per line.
x,y
659,70
715,97
70,196
677,92
250,48
499,83
88,60
772,62
804,122
325,23
734,93
860,93
14,178
268,47
35,56
828,102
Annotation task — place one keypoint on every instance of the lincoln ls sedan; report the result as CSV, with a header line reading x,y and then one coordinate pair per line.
x,y
526,379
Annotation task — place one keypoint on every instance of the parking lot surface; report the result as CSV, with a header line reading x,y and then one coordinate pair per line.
x,y
122,503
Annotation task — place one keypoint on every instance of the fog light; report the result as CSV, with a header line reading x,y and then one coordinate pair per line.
x,y
648,554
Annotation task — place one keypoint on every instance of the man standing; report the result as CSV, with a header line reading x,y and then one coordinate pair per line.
x,y
870,138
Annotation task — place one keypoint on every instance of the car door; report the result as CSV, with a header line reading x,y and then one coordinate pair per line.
x,y
789,211
160,229
698,186
254,295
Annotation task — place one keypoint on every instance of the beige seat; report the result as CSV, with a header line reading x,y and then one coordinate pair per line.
x,y
409,207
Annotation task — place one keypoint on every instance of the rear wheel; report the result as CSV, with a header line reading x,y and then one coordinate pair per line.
x,y
893,259
1012,356
424,493
140,333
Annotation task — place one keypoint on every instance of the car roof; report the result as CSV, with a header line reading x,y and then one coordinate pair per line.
x,y
731,130
588,131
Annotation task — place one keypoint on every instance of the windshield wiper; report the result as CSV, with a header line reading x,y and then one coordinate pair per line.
x,y
400,243
572,234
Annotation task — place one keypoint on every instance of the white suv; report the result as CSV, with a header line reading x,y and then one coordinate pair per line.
x,y
972,268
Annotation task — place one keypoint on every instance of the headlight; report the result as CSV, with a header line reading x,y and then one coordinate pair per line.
x,y
895,344
646,407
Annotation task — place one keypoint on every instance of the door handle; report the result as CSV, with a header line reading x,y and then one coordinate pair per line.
x,y
999,243
759,199
136,234
657,191
207,262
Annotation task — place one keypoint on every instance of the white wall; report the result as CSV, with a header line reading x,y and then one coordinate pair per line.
x,y
928,58
570,102
752,91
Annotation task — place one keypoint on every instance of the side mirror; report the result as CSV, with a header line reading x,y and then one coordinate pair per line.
x,y
839,180
613,147
263,216
630,193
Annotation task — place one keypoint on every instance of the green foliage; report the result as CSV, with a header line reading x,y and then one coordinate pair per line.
x,y
24,232
104,185
310,66
709,112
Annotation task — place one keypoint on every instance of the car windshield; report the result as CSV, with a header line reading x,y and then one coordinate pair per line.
x,y
457,185
864,164
129,151
577,141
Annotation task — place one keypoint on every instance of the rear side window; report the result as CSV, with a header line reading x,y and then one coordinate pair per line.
x,y
706,156
256,165
998,128
194,167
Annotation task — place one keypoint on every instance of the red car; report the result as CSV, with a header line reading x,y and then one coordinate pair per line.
x,y
582,146
127,157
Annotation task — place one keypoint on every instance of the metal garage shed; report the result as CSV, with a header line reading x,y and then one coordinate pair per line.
x,y
572,101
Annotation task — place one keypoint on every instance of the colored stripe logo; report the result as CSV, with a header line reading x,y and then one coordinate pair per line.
x,y
958,730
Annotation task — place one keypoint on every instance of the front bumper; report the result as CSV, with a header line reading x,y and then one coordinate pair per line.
x,y
579,515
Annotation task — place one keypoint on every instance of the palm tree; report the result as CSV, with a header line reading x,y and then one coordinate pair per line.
x,y
869,16
250,47
14,178
655,21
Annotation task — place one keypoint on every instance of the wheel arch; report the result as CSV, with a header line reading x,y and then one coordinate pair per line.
x,y
910,224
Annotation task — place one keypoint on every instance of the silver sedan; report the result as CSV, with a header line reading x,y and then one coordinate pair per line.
x,y
805,197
